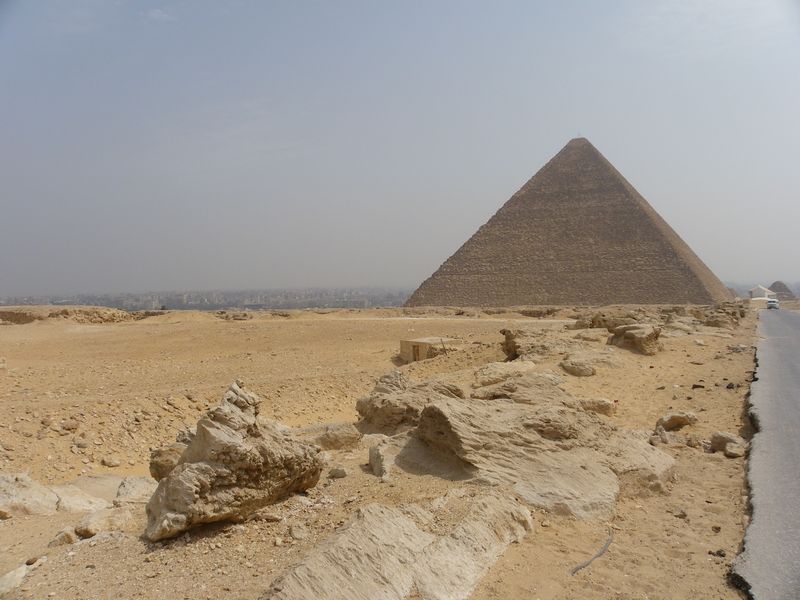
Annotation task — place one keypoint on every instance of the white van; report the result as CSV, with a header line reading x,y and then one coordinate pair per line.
x,y
773,303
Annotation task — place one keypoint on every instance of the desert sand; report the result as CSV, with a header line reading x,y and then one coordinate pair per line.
x,y
88,393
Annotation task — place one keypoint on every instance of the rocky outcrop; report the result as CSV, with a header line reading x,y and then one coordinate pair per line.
x,y
641,338
21,495
387,553
578,367
555,451
676,420
165,458
536,344
497,372
103,520
729,444
232,467
395,405
330,436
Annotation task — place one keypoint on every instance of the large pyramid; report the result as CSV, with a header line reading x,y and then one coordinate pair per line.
x,y
578,234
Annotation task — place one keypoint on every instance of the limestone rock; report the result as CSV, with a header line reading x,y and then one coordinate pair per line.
x,y
337,473
676,419
164,459
234,466
735,450
73,499
21,495
135,490
577,367
103,486
530,388
729,444
498,372
535,344
330,436
384,553
394,381
555,456
720,439
388,412
642,338
64,537
105,519
601,406
13,579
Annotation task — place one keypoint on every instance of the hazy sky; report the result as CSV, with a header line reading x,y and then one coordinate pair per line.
x,y
208,145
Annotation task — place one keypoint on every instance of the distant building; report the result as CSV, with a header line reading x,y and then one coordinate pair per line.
x,y
761,292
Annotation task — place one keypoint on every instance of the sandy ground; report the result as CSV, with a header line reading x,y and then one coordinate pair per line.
x,y
131,386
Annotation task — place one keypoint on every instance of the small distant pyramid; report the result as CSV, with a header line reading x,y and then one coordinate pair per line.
x,y
577,234
782,291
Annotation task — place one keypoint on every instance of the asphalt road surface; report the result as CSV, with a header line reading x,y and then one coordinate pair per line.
x,y
770,563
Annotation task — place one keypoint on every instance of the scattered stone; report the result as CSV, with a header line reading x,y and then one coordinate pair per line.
x,y
640,337
13,579
735,450
73,499
105,519
720,439
64,537
164,459
234,466
337,473
330,436
70,425
135,490
498,372
676,420
298,532
601,406
110,461
21,495
578,368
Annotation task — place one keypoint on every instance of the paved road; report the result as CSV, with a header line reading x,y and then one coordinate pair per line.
x,y
770,563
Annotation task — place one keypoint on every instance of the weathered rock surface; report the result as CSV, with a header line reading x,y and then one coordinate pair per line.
x,y
64,537
135,490
554,450
555,457
105,519
676,419
165,458
13,579
497,372
233,466
642,338
578,367
530,388
383,553
535,344
330,436
601,406
398,409
21,495
729,444
73,499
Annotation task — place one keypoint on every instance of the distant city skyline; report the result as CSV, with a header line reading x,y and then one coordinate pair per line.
x,y
245,145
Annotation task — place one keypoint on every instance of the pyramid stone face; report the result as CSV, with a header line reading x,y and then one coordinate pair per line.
x,y
578,234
